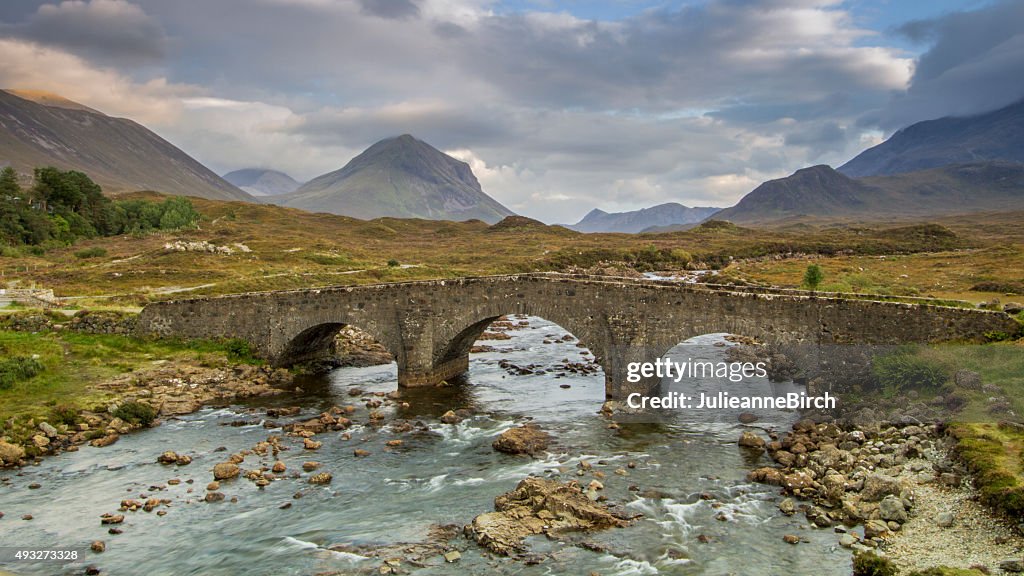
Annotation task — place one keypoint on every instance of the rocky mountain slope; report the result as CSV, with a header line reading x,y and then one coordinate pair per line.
x,y
40,129
821,191
996,135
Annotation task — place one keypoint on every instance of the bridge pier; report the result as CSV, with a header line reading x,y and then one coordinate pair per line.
x,y
411,377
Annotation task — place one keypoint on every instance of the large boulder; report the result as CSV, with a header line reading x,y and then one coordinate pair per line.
x,y
10,453
526,439
878,486
536,506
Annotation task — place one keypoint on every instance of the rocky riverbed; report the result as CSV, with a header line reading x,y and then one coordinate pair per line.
x,y
891,490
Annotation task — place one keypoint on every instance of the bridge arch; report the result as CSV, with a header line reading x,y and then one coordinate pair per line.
x,y
313,339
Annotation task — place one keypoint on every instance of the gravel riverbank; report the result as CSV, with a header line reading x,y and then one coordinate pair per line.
x,y
892,490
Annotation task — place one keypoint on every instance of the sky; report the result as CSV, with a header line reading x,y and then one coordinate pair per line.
x,y
559,106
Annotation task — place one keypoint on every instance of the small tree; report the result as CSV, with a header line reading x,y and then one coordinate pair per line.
x,y
813,276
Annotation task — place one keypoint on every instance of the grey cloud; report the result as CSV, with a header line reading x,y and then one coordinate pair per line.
x,y
692,105
107,31
973,66
397,9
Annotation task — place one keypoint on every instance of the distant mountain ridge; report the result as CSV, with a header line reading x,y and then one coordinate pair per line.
x,y
822,191
400,177
996,135
635,221
40,129
263,182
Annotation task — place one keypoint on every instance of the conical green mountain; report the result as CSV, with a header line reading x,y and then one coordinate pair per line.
x,y
400,177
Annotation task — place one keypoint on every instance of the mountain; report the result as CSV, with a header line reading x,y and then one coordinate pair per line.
x,y
400,177
821,191
997,135
261,182
41,129
636,221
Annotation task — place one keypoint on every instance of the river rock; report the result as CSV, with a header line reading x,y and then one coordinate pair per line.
x,y
891,508
452,556
310,444
526,439
321,478
225,470
279,467
875,528
944,519
878,486
48,429
10,453
537,506
847,540
214,497
310,466
167,457
787,507
766,475
40,441
98,546
183,460
450,417
105,440
791,539
749,439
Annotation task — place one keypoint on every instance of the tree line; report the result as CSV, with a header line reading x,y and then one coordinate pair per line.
x,y
63,206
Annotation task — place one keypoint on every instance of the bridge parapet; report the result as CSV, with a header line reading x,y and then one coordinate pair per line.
x,y
429,326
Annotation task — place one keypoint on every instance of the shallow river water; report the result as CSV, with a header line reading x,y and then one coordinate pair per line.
x,y
445,476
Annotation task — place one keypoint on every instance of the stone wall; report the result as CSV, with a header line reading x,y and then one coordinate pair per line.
x,y
82,321
429,326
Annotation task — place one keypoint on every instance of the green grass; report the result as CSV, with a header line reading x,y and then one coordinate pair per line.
x,y
75,363
993,453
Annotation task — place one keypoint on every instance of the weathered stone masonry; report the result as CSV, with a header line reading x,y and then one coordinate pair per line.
x,y
430,326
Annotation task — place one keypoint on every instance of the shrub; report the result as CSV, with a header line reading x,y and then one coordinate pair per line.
x,y
16,369
905,370
813,276
94,252
870,564
136,413
238,350
65,414
393,263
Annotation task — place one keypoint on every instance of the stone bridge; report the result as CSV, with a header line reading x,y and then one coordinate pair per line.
x,y
429,326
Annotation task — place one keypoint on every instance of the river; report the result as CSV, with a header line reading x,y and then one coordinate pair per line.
x,y
445,476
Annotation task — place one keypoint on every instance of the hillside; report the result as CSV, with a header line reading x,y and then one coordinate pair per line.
x,y
997,135
662,215
40,129
814,190
821,191
262,182
399,177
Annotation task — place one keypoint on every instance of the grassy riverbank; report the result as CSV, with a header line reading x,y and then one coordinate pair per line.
x,y
73,364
